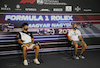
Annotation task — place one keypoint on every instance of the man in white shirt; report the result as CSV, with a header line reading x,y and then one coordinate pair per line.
x,y
74,35
26,40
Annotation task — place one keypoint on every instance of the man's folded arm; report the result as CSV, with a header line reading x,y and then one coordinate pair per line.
x,y
69,38
32,40
19,41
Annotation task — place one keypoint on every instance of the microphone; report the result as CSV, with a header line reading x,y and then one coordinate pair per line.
x,y
39,44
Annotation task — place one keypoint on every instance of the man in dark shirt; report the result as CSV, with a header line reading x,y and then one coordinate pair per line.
x,y
26,40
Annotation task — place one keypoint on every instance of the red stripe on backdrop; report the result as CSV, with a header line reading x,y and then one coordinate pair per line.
x,y
79,18
90,17
95,18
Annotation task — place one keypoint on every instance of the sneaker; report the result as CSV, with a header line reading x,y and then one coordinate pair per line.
x,y
36,61
75,57
81,56
25,62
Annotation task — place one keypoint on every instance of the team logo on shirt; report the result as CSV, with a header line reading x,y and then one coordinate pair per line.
x,y
29,34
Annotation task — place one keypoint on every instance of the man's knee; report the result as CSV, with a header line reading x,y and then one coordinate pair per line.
x,y
85,45
24,48
37,46
76,45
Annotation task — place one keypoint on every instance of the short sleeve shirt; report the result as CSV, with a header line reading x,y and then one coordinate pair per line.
x,y
74,34
26,37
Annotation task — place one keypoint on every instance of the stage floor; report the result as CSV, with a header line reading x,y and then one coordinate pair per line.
x,y
55,60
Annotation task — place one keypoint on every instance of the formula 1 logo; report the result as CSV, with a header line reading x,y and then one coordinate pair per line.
x,y
27,1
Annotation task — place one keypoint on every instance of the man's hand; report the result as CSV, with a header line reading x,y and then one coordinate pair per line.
x,y
83,41
28,44
74,42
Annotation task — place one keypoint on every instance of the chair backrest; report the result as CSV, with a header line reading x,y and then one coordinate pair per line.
x,y
67,34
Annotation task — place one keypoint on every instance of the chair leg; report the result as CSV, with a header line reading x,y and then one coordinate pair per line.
x,y
20,57
29,60
41,58
71,51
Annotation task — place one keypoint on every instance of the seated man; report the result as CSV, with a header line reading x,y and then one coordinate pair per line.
x,y
74,35
26,40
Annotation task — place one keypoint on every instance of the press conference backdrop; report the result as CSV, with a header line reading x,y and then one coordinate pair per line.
x,y
49,21
48,29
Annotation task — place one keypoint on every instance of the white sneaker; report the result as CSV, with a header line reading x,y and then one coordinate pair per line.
x,y
25,62
36,61
81,56
75,57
